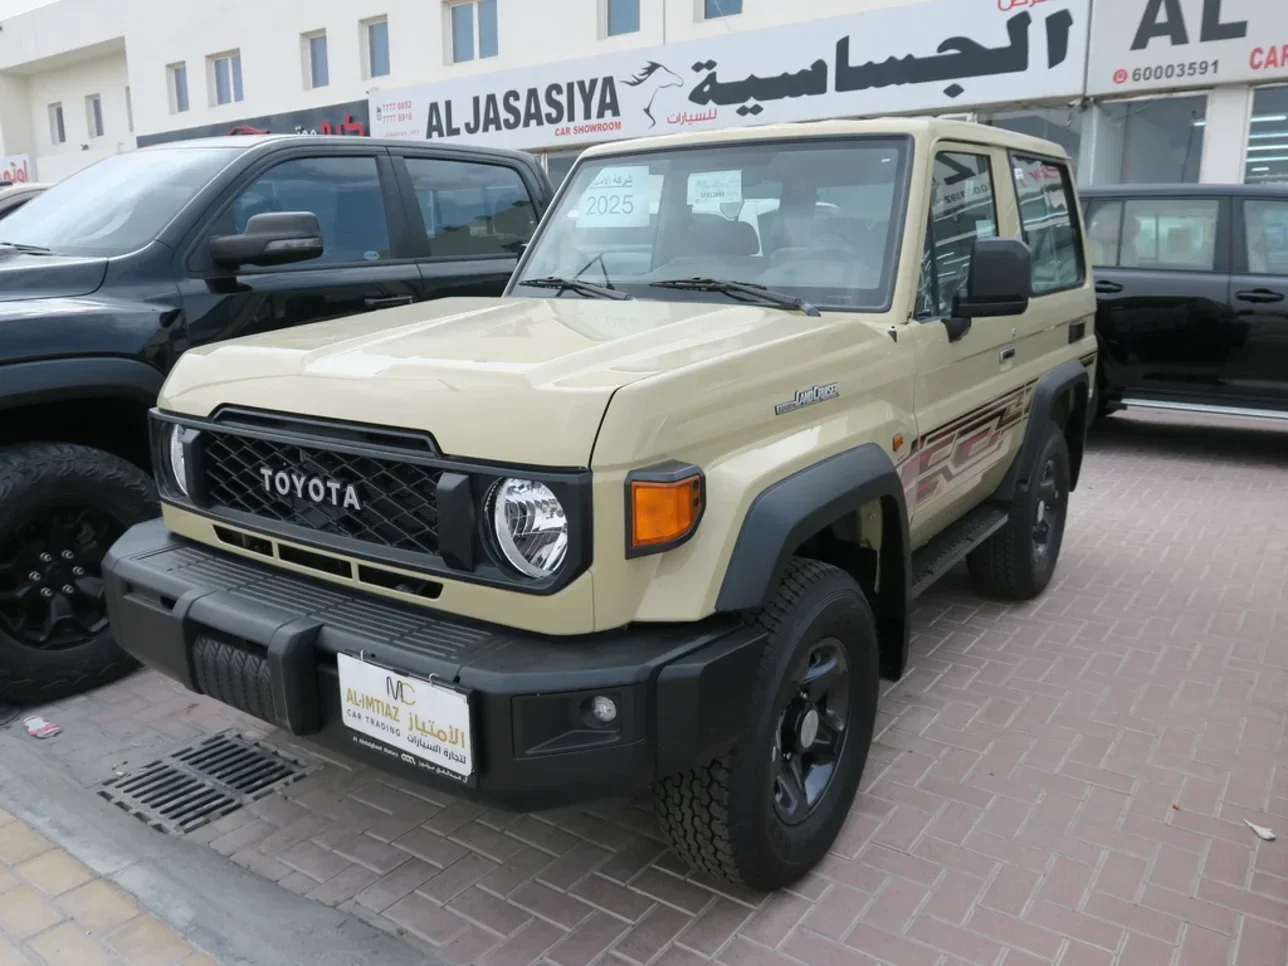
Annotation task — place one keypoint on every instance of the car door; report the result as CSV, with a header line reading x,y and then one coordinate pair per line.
x,y
364,265
1162,274
1257,374
474,216
963,390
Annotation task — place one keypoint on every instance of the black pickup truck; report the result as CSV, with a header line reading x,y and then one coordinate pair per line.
x,y
107,277
1192,282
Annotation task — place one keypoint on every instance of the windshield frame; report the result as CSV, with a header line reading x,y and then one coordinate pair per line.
x,y
164,233
899,212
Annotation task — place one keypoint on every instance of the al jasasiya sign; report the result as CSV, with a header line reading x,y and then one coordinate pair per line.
x,y
950,55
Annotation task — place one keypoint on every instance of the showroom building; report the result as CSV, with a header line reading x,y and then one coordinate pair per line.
x,y
1136,90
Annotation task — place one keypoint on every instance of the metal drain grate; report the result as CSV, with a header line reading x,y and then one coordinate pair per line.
x,y
202,782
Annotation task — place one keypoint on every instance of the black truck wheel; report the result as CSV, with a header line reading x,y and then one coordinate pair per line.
x,y
61,508
766,813
1018,561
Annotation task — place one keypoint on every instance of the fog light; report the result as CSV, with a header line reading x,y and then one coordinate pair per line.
x,y
604,709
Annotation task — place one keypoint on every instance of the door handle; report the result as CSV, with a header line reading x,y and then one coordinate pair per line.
x,y
388,303
1007,354
1108,288
1260,296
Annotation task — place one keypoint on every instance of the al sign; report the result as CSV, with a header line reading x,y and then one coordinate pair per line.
x,y
937,55
1144,45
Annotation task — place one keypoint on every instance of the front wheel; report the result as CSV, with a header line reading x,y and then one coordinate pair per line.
x,y
766,813
61,508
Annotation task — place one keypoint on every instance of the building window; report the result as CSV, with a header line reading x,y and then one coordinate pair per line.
x,y
477,18
317,71
57,129
621,17
178,80
375,48
94,115
1063,125
962,209
226,70
129,110
1268,141
1152,141
720,8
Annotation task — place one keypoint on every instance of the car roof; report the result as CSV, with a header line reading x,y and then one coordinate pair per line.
x,y
921,127
12,188
254,142
1184,190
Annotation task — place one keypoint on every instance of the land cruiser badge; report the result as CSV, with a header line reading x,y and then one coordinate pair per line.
x,y
312,488
808,397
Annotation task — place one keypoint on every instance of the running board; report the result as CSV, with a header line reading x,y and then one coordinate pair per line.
x,y
1241,412
951,546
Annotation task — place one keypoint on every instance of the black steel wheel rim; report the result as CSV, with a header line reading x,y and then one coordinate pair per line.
x,y
51,578
1049,513
812,730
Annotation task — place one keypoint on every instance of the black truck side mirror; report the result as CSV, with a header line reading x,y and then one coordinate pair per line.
x,y
270,238
1000,284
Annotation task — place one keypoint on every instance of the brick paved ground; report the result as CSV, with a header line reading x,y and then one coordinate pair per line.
x,y
1059,782
54,910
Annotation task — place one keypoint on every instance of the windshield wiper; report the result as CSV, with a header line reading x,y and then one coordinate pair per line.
x,y
749,289
577,285
28,249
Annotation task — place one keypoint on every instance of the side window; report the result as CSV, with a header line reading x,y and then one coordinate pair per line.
x,y
1104,231
963,208
472,209
1267,228
343,192
1170,233
1049,221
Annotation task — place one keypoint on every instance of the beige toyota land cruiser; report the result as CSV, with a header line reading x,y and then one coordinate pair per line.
x,y
657,516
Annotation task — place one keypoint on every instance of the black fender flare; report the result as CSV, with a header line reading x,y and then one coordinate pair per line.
x,y
53,380
795,508
1068,379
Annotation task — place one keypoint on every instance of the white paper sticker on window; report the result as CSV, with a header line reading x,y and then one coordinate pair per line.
x,y
616,198
715,187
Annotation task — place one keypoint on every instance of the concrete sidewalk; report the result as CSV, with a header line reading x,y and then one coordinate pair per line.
x,y
83,883
55,910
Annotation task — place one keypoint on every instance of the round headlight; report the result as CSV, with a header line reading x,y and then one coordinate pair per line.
x,y
531,527
178,464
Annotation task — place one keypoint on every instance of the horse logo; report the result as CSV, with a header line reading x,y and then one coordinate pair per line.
x,y
659,78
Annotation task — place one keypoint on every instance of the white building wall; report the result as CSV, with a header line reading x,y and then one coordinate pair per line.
x,y
71,85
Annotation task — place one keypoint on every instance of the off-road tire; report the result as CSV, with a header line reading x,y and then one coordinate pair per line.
x,y
719,818
1004,566
33,475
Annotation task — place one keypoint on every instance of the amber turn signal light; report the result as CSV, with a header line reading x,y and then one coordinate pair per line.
x,y
663,512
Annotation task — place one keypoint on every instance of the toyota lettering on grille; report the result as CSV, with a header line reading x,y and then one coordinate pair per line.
x,y
312,488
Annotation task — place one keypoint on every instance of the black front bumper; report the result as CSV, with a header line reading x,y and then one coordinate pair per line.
x,y
266,641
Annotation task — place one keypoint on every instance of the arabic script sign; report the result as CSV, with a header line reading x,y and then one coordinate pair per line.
x,y
16,168
350,118
1142,45
950,54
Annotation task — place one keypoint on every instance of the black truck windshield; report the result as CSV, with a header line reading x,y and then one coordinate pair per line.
x,y
117,205
812,220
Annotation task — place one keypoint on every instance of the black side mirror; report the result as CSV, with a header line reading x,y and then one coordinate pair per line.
x,y
271,238
1000,283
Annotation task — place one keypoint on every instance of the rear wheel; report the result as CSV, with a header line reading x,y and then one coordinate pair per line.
x,y
766,813
1018,561
61,508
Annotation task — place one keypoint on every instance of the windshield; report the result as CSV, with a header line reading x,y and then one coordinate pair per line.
x,y
818,220
118,205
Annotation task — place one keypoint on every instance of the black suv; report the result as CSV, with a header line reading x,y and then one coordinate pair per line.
x,y
108,276
1193,288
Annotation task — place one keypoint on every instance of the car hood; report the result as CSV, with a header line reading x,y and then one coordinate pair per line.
x,y
514,380
48,276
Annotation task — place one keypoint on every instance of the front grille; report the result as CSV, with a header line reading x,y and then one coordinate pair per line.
x,y
398,500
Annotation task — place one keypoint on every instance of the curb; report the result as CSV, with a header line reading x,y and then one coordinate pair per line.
x,y
237,917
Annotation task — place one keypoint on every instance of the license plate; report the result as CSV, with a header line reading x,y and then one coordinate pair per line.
x,y
424,723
